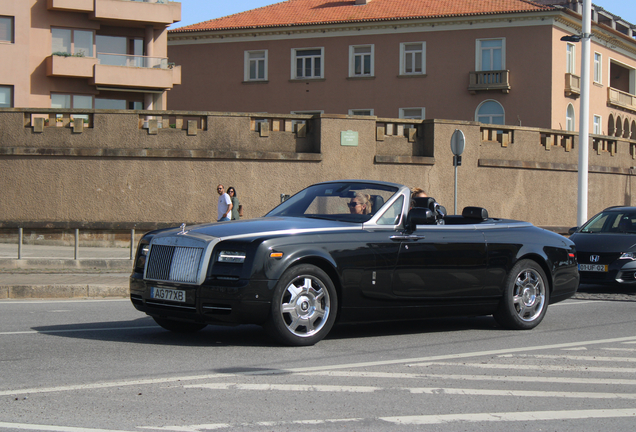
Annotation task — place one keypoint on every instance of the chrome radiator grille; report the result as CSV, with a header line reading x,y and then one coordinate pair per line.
x,y
174,263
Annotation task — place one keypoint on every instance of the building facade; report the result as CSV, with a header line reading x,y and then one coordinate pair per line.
x,y
499,62
85,54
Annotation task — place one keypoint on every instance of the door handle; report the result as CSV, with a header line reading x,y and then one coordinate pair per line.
x,y
410,237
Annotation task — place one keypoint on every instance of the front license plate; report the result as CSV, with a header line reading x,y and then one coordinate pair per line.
x,y
593,267
168,294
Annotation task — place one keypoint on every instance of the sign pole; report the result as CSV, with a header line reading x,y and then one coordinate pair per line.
x,y
458,142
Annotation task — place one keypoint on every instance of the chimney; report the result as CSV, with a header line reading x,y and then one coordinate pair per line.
x,y
363,2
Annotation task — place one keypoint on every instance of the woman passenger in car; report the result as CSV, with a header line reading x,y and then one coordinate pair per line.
x,y
360,204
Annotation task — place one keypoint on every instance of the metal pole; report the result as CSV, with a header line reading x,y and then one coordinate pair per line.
x,y
132,243
76,241
584,123
455,208
20,236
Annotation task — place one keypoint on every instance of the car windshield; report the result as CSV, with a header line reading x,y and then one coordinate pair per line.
x,y
611,222
342,201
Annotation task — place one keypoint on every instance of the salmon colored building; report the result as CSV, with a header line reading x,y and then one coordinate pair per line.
x,y
492,61
105,54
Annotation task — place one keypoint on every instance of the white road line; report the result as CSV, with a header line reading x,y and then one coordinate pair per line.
x,y
534,367
511,416
517,378
583,358
37,427
83,329
286,387
336,366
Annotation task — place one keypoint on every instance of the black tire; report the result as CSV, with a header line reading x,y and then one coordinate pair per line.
x,y
526,297
304,306
179,326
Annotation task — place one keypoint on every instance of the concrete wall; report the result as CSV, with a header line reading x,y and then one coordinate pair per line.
x,y
121,170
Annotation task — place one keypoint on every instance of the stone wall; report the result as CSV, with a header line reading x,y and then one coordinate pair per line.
x,y
145,169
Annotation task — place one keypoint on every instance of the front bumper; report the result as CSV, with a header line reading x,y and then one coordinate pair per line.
x,y
619,272
241,302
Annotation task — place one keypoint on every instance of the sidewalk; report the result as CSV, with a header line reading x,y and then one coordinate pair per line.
x,y
52,272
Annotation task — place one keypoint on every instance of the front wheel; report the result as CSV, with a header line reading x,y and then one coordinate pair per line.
x,y
179,326
303,306
525,299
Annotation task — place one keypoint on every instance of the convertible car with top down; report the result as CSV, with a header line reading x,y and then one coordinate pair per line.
x,y
351,251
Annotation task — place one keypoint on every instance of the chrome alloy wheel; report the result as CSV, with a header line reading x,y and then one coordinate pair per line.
x,y
529,295
305,306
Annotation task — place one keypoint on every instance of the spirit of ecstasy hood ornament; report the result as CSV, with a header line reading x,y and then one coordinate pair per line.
x,y
183,231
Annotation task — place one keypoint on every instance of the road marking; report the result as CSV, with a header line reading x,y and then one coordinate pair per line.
x,y
86,329
36,427
534,367
329,367
583,358
524,379
511,416
286,387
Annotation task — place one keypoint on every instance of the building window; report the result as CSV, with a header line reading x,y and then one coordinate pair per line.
x,y
570,124
598,65
570,58
307,63
6,96
256,65
490,112
361,60
6,29
413,58
597,125
72,42
491,55
412,113
361,112
71,101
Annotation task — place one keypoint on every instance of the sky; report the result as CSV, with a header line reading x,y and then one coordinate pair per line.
x,y
196,11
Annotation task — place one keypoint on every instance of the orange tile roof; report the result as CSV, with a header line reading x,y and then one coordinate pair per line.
x,y
308,12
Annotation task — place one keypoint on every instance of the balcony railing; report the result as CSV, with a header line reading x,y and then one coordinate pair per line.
x,y
489,80
132,60
621,99
572,85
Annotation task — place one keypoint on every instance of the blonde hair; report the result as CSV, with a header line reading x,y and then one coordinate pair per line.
x,y
364,199
415,192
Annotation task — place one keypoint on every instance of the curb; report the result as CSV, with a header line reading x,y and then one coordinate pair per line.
x,y
63,291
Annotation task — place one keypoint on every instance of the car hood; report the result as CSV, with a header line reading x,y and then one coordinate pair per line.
x,y
270,226
601,242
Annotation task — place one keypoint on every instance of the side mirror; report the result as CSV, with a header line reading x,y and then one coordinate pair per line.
x,y
420,216
572,230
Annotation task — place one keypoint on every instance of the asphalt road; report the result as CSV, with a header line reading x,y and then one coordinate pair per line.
x,y
99,365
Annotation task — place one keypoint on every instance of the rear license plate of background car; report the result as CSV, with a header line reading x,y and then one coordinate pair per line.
x,y
168,294
593,267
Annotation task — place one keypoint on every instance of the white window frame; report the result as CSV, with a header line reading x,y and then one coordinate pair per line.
x,y
402,114
479,49
352,60
598,68
570,58
570,122
353,112
248,63
503,110
295,57
8,22
404,55
597,125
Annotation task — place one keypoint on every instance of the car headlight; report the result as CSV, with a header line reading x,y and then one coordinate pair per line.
x,y
231,257
628,255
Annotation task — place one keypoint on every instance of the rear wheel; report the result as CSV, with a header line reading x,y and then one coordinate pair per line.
x,y
525,299
303,306
179,326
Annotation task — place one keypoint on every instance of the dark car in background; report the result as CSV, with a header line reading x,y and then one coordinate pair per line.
x,y
606,247
321,256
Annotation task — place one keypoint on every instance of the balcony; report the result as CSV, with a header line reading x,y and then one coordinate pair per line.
x,y
117,70
621,99
489,80
572,85
123,11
